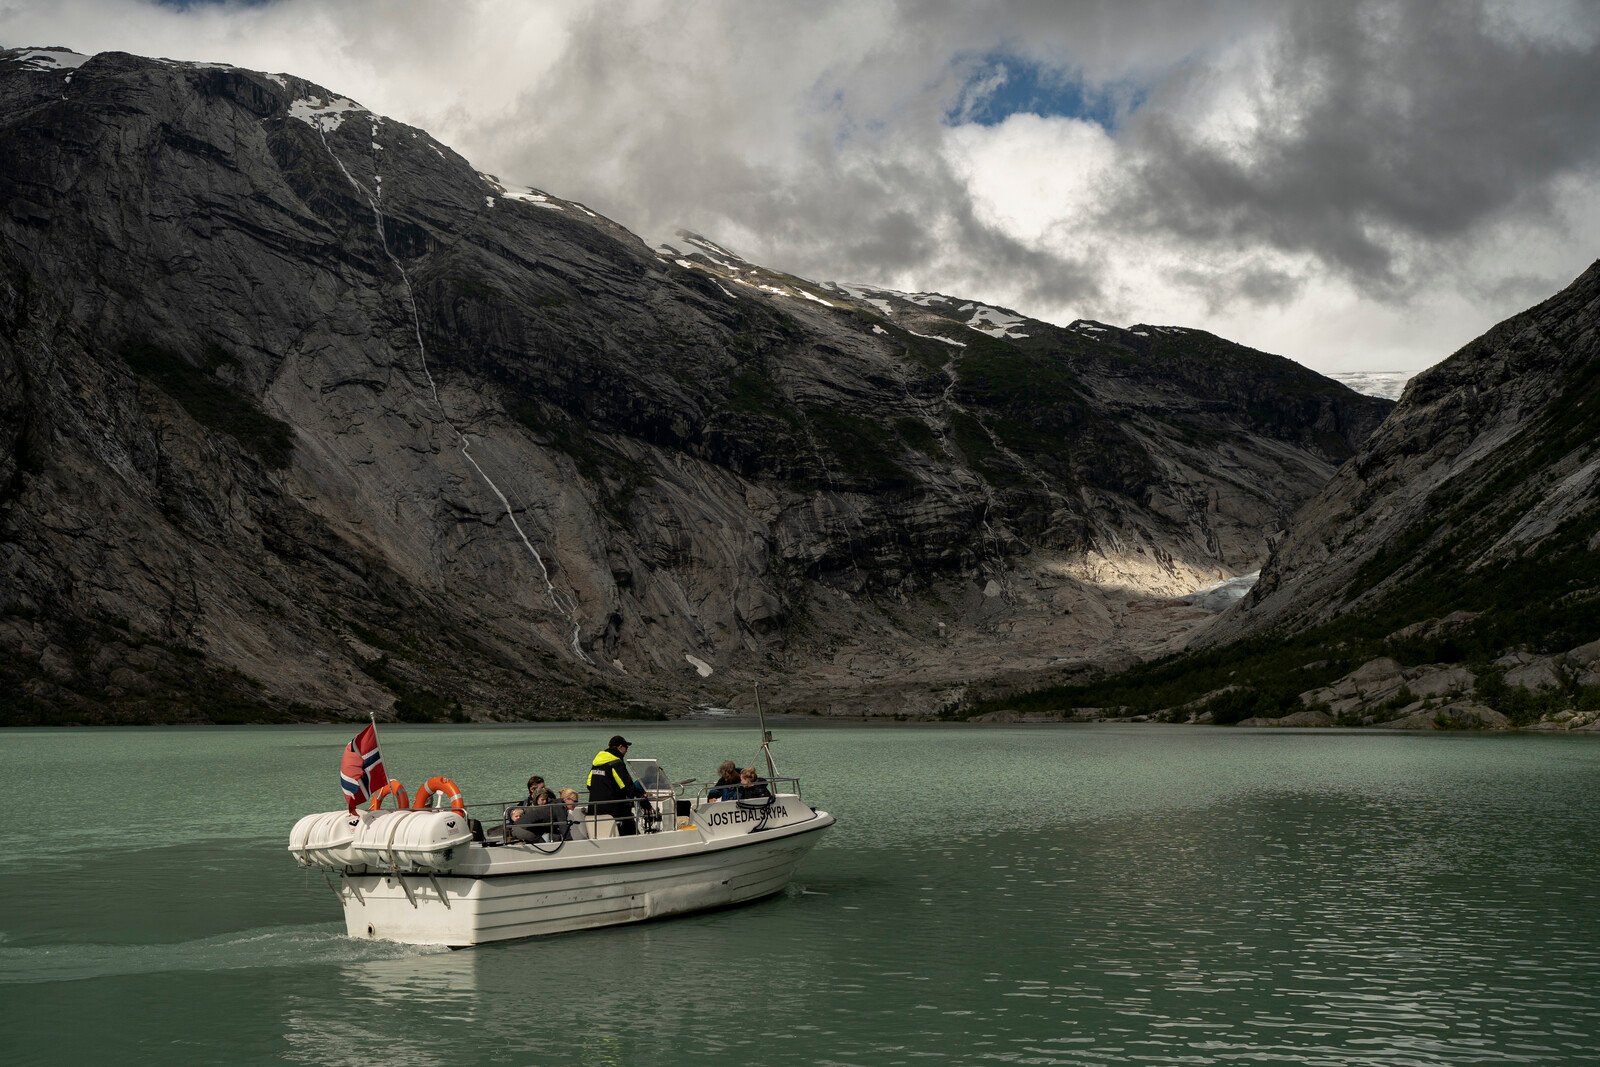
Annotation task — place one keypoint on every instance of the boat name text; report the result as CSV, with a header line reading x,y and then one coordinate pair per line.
x,y
725,818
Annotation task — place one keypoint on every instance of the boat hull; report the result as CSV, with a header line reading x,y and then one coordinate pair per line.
x,y
521,892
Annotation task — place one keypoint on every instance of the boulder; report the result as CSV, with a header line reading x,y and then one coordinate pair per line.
x,y
1539,672
1435,680
1460,715
1310,717
1470,715
1417,720
1584,663
1435,627
1376,673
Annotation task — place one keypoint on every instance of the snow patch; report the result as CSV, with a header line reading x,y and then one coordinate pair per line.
x,y
701,244
818,299
862,293
687,244
1219,596
700,665
521,193
324,114
936,337
879,329
52,59
994,322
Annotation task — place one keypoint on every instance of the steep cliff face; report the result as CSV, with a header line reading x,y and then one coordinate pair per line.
x,y
1481,492
305,416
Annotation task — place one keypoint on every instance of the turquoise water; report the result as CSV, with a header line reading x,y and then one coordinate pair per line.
x,y
1088,895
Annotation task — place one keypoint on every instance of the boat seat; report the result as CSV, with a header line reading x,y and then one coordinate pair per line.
x,y
600,827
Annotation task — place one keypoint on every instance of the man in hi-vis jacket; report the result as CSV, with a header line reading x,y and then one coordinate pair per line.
x,y
612,789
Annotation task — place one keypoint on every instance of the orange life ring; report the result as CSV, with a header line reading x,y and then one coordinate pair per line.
x,y
438,784
394,787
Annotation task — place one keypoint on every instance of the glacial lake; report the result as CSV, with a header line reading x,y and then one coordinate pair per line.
x,y
1069,895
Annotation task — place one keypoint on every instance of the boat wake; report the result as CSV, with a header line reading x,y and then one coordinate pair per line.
x,y
322,944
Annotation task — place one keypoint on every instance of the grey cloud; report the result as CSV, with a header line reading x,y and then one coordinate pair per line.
x,y
1399,141
1386,125
834,173
815,133
1225,286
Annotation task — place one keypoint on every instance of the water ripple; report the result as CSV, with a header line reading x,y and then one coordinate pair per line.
x,y
309,946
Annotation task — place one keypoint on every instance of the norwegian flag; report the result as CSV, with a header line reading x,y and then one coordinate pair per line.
x,y
361,770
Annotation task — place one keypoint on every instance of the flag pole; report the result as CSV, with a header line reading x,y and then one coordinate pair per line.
x,y
766,735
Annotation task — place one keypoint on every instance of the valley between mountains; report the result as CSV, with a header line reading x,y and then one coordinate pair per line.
x,y
304,417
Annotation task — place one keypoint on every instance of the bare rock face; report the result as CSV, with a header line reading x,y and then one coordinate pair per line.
x,y
1381,692
301,415
1491,460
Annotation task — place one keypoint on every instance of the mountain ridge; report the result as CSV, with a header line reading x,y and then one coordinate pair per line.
x,y
1447,577
307,417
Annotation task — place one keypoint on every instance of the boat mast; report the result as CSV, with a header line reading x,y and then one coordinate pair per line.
x,y
766,735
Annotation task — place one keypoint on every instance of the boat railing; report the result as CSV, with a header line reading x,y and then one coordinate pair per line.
x,y
671,805
780,786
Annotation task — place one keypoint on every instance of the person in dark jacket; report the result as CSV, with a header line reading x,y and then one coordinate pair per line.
x,y
538,792
751,787
537,823
727,787
539,817
612,789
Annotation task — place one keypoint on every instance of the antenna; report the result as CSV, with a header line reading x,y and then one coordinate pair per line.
x,y
766,735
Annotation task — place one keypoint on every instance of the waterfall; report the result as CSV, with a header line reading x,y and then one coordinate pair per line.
x,y
463,442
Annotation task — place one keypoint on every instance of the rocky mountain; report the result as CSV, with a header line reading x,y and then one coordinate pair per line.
x,y
1448,576
1470,525
1492,457
303,416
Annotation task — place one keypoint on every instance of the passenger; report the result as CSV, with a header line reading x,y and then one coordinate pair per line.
x,y
727,787
538,792
612,789
538,823
751,787
575,830
539,817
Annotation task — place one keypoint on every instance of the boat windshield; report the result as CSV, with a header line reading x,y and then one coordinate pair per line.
x,y
648,773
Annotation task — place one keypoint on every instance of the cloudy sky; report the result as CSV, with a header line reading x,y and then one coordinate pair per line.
x,y
1360,186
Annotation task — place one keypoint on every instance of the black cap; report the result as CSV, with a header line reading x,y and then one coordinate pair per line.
x,y
618,739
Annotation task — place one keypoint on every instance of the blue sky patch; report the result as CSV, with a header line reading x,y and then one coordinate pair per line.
x,y
1002,85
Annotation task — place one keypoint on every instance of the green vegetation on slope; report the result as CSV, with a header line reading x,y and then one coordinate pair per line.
x,y
1547,603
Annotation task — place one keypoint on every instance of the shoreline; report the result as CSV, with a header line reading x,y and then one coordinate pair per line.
x,y
790,721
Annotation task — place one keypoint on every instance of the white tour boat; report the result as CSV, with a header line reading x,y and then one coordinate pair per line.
x,y
424,877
